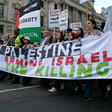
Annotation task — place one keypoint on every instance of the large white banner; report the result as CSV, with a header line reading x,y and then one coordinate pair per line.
x,y
83,1
90,58
63,20
54,18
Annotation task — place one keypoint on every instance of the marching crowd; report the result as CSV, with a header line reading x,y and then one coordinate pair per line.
x,y
57,85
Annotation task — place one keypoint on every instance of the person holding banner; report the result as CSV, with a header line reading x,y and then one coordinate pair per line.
x,y
45,41
17,39
27,46
59,37
77,85
80,33
70,83
7,42
18,43
46,38
57,83
92,30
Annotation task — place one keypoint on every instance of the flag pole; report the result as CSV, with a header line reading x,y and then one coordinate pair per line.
x,y
87,10
54,32
46,12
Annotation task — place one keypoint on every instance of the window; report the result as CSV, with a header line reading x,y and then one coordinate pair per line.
x,y
55,6
1,9
15,13
41,20
1,28
42,4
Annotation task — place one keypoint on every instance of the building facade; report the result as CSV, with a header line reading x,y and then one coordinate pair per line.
x,y
77,12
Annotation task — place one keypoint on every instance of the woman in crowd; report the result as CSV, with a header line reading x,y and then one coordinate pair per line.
x,y
70,83
27,46
72,36
75,85
59,37
80,33
92,30
57,83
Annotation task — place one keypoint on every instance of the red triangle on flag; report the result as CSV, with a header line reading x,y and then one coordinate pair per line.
x,y
17,21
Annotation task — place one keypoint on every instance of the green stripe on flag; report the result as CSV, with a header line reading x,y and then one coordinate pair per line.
x,y
33,33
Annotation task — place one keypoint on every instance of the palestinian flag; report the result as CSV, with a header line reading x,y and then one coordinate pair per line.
x,y
29,21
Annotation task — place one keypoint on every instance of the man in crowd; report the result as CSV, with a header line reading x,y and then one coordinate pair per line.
x,y
18,43
17,39
7,42
47,39
11,39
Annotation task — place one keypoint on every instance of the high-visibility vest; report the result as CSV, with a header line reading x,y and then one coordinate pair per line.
x,y
18,41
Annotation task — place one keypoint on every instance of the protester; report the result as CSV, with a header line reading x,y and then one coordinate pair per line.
x,y
46,38
7,42
35,45
57,83
72,36
92,30
70,83
1,43
27,46
80,33
11,39
18,43
45,41
59,37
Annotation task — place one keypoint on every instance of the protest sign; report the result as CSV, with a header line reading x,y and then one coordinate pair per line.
x,y
76,25
63,20
54,18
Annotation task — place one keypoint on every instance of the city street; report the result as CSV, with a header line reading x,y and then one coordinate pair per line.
x,y
33,98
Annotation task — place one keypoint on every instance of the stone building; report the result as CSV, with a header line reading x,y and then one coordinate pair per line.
x,y
77,12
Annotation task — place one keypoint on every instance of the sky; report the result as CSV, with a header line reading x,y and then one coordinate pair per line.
x,y
102,3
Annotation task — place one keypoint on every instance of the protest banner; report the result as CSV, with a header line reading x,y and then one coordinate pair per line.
x,y
76,25
63,21
90,58
54,18
30,21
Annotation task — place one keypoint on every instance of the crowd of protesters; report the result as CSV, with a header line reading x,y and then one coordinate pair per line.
x,y
57,85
